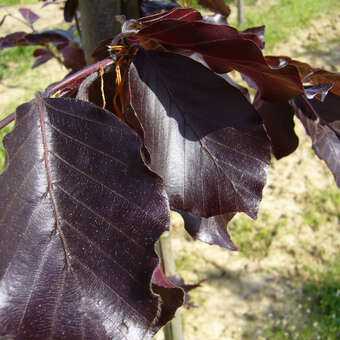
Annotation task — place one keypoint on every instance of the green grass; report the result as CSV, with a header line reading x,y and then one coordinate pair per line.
x,y
254,238
322,207
15,61
18,2
318,308
284,18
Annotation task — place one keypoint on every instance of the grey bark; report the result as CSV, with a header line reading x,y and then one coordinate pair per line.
x,y
240,12
98,21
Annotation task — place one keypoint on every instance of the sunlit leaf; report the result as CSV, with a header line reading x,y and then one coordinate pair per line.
x,y
205,139
79,217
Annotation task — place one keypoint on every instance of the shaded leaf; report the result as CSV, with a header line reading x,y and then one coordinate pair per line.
x,y
42,56
43,38
74,57
308,73
278,119
322,121
224,48
30,16
48,37
170,287
216,6
70,10
173,296
212,153
13,39
211,230
80,215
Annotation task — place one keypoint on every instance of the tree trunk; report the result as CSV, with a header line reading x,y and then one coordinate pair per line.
x,y
240,12
98,21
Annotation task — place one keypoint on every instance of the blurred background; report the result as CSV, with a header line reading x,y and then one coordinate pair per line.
x,y
284,282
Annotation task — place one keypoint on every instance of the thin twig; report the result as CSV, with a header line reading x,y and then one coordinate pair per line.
x,y
9,119
26,23
77,25
60,61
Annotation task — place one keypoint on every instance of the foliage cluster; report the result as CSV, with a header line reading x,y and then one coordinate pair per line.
x,y
154,123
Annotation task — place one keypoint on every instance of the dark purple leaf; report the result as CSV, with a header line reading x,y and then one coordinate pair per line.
x,y
322,123
213,153
74,57
70,10
211,230
13,39
325,142
42,56
278,119
256,34
326,111
30,16
224,48
308,73
73,81
101,51
169,287
48,37
80,215
173,296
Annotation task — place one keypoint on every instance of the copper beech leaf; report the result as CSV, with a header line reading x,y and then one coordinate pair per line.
x,y
70,10
278,119
212,230
27,14
79,215
322,123
224,48
205,139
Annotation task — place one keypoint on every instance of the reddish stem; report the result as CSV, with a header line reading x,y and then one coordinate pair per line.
x,y
7,120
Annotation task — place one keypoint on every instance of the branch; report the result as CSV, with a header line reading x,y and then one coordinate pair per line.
x,y
9,119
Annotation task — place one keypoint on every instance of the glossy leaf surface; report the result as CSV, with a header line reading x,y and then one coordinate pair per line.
x,y
322,123
79,216
205,139
278,118
224,48
212,230
70,10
